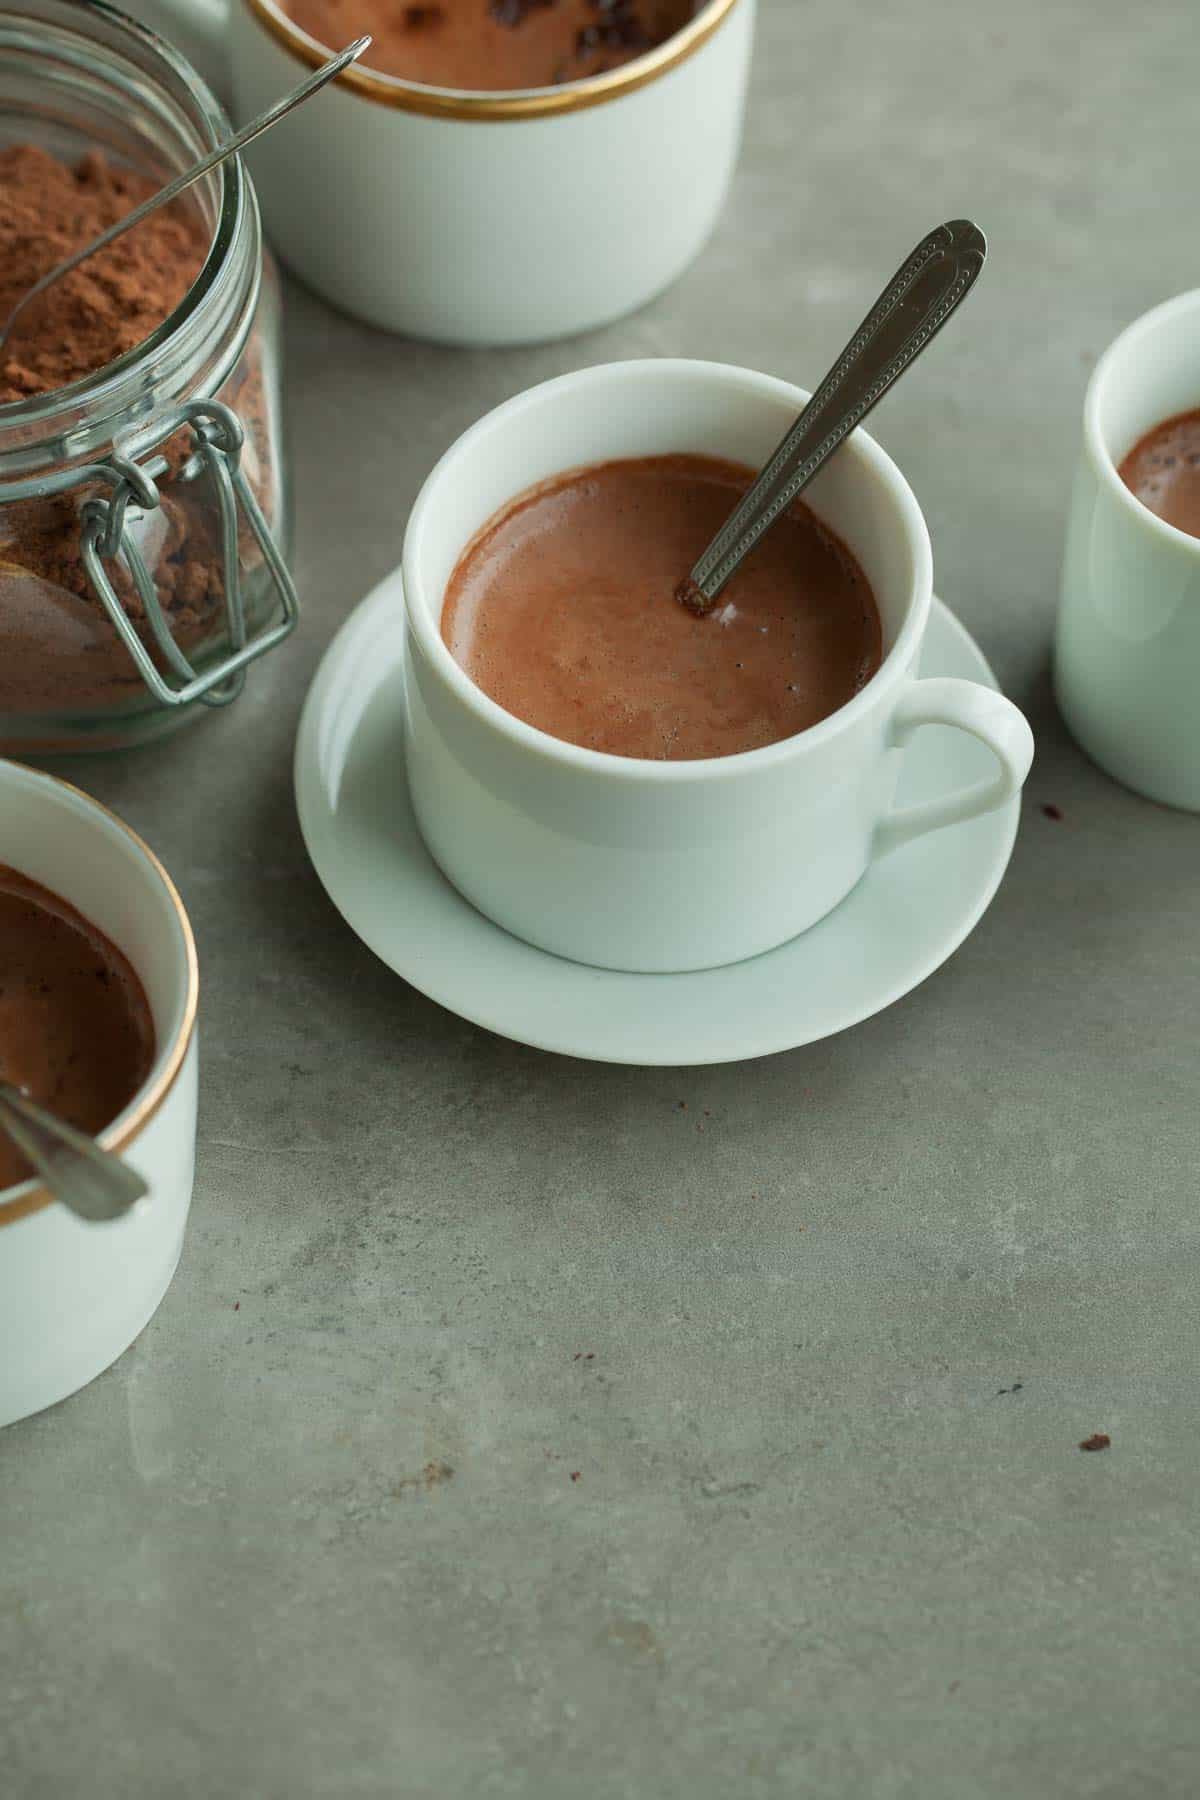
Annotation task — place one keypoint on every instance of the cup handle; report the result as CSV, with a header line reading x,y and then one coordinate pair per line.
x,y
989,717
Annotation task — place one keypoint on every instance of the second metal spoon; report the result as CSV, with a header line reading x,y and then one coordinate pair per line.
x,y
174,188
913,306
90,1181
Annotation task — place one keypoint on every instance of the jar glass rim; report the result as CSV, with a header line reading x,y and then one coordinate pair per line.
x,y
107,392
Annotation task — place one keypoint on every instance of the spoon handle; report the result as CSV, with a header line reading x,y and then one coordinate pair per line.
x,y
90,1181
915,304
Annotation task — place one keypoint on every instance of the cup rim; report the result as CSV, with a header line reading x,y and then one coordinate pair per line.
x,y
481,104
859,445
31,1196
1098,451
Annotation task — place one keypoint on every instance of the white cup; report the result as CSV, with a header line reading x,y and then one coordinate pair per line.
x,y
73,1296
1127,658
487,218
640,865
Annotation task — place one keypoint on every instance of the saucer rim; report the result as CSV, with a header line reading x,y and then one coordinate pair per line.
x,y
307,786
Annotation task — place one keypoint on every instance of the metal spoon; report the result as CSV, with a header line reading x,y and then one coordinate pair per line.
x,y
913,306
92,1182
174,188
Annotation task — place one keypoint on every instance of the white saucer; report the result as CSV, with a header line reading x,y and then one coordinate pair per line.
x,y
906,916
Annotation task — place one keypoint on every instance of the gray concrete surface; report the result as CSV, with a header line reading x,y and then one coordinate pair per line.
x,y
318,1533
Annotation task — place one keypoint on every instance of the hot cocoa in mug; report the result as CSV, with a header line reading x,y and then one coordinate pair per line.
x,y
500,47
563,610
76,1031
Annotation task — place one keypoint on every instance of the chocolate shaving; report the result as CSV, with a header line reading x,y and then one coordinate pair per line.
x,y
620,27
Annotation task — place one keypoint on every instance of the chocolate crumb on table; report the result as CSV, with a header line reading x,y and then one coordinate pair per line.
x,y
1051,811
1099,1440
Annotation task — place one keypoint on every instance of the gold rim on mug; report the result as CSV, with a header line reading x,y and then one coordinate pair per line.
x,y
151,1097
521,103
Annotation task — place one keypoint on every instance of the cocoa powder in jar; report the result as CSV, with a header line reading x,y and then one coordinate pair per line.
x,y
59,651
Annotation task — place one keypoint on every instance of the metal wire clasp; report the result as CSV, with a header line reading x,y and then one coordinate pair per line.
x,y
218,436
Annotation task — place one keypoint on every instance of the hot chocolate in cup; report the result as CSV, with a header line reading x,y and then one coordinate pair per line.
x,y
666,866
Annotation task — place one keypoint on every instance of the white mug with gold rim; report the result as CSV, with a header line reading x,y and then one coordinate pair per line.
x,y
488,218
73,1296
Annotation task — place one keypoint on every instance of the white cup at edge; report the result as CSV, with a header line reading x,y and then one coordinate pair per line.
x,y
73,1296
655,866
1127,656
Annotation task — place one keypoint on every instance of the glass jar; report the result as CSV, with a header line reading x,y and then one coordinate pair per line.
x,y
142,508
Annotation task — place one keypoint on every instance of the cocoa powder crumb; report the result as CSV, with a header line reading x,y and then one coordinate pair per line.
x,y
1099,1440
